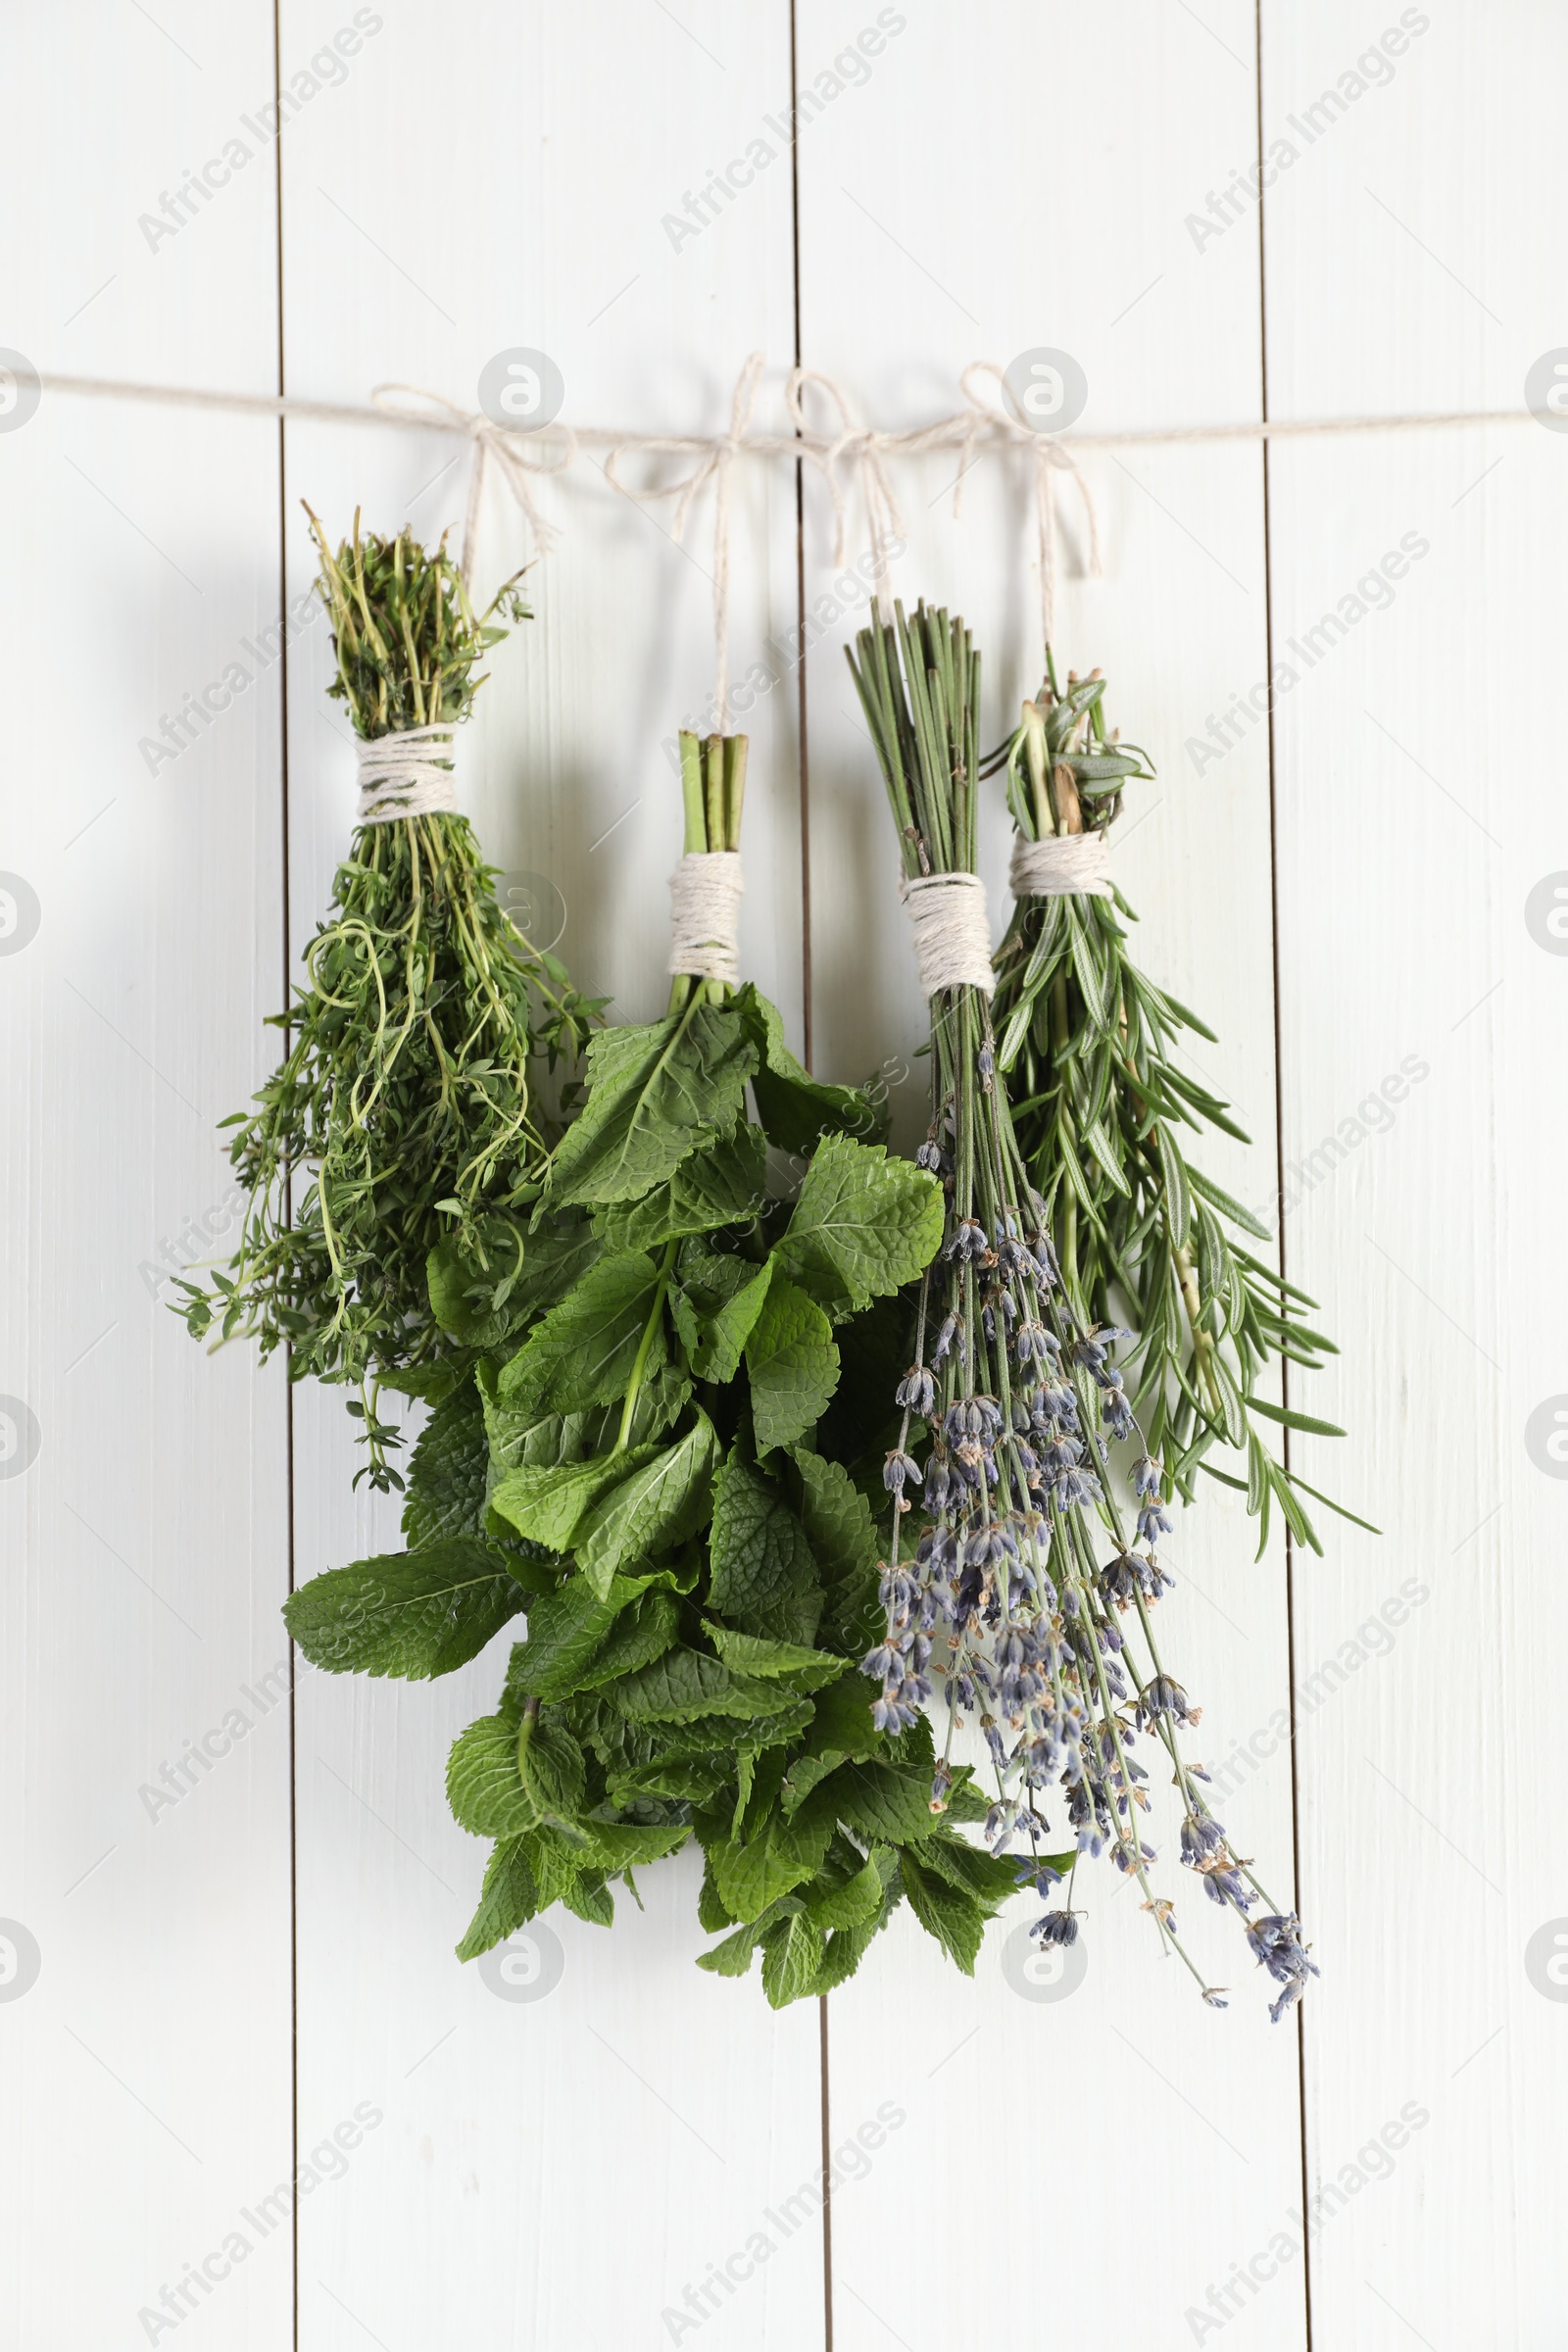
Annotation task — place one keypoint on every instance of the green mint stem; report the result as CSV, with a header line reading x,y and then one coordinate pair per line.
x,y
640,1361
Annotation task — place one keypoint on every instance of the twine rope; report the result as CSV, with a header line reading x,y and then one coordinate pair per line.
x,y
407,775
705,906
950,930
1060,865
980,428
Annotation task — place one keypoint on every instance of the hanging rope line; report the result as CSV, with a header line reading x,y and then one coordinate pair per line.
x,y
849,453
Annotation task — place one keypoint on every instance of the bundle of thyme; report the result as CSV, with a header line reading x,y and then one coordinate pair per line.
x,y
1137,1229
1027,1595
638,1465
399,1120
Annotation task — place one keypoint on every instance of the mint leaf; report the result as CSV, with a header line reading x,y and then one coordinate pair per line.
x,y
841,1730
989,1877
881,1802
583,1351
576,1635
725,1185
589,1898
796,1108
463,1292
849,1902
655,1095
685,1684
447,1472
762,1577
751,1876
527,1436
639,1635
945,1911
846,1948
551,1766
558,1253
564,1629
716,1354
557,1856
710,1912
709,1275
733,1957
749,1653
408,1613
863,1225
484,1788
838,1521
793,1363
663,1502
690,1781
792,1954
510,1899
546,1504
623,1844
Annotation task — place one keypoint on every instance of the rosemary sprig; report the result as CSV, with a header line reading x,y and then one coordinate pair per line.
x,y
1141,1234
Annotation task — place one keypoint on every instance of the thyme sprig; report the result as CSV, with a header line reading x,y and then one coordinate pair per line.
x,y
399,1116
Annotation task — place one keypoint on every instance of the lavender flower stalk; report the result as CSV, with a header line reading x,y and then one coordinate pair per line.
x,y
1005,1603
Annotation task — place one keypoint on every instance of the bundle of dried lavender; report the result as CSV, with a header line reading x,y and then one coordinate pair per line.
x,y
1006,1602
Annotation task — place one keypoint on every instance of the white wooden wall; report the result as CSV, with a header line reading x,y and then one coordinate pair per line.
x,y
228,1980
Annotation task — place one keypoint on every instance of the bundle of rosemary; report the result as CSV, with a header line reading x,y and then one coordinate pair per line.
x,y
399,1120
643,1474
1005,1599
1089,1041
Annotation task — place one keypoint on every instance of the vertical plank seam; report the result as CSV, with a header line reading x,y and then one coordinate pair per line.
x,y
288,1389
807,1027
804,764
1279,1147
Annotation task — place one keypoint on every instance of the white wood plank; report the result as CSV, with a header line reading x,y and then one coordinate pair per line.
x,y
641,2104
1064,228
144,2074
1430,1746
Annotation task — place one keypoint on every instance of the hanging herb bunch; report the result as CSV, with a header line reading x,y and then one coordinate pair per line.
x,y
635,1458
1089,1044
399,1120
1021,1595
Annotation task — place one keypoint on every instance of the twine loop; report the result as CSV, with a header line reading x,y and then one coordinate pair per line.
x,y
409,405
1062,865
715,461
863,448
1051,457
407,775
951,929
705,895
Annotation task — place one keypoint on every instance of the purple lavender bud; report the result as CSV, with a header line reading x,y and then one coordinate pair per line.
x,y
898,1470
1056,1927
1160,1695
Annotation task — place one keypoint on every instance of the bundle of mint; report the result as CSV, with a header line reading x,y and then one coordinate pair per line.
x,y
647,1452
